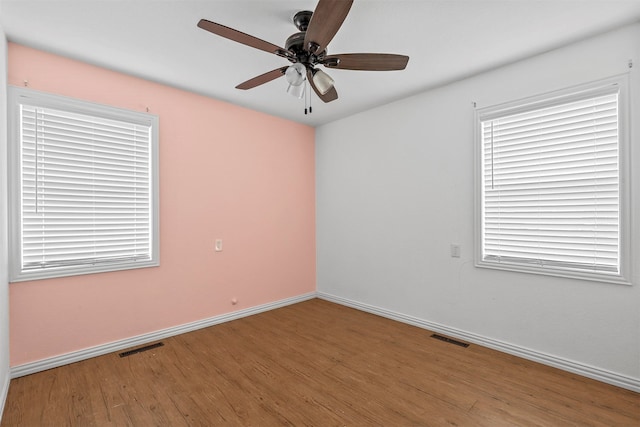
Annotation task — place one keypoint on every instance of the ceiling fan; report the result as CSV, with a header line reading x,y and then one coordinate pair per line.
x,y
307,49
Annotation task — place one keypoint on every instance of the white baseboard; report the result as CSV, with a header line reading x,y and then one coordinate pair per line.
x,y
536,356
4,391
608,377
76,356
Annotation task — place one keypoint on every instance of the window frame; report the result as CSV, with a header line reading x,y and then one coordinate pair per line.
x,y
18,96
548,99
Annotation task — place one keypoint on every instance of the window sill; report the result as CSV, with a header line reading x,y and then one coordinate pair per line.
x,y
616,279
78,271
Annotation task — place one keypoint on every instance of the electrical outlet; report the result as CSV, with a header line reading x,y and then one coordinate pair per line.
x,y
218,245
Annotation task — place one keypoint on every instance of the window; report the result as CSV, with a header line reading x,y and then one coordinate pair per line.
x,y
551,184
83,187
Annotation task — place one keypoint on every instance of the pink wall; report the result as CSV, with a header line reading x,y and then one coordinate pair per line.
x,y
225,172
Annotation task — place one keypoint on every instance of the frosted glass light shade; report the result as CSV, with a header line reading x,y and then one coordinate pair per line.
x,y
322,81
297,91
296,74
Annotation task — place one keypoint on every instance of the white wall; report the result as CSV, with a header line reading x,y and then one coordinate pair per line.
x,y
395,187
4,286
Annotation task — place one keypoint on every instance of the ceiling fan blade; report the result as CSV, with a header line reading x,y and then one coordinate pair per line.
x,y
325,23
366,61
240,37
331,95
262,78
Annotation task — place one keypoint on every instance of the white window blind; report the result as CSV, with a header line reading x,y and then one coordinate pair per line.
x,y
86,193
551,185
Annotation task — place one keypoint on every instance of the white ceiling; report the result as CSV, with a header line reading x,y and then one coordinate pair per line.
x,y
445,39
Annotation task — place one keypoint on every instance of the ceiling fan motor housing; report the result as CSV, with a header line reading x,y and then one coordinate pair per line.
x,y
295,43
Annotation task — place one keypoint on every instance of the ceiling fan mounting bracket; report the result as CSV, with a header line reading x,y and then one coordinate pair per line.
x,y
301,19
285,54
331,62
313,47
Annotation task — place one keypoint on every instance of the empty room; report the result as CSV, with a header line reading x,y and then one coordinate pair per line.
x,y
319,213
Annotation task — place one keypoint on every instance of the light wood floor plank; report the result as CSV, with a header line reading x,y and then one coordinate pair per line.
x,y
314,364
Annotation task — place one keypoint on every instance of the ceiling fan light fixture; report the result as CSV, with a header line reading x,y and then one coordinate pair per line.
x,y
297,91
322,81
296,74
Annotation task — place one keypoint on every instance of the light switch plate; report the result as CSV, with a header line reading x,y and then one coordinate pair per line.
x,y
455,250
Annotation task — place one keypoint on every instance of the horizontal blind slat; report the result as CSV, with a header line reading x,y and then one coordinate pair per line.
x,y
86,187
551,185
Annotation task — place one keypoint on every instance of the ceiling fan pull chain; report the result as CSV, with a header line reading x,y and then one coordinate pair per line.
x,y
306,91
310,97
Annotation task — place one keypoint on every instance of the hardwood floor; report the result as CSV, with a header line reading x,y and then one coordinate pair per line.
x,y
314,364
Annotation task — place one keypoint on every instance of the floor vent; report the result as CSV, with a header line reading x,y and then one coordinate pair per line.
x,y
450,340
141,349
